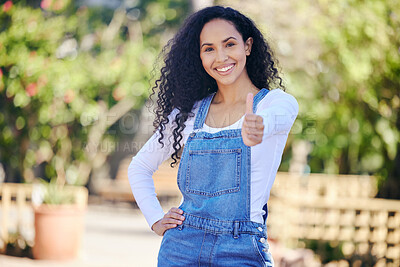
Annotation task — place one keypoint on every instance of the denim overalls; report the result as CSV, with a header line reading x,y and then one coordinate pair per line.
x,y
214,178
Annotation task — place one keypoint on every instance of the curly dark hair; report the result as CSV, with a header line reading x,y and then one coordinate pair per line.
x,y
183,80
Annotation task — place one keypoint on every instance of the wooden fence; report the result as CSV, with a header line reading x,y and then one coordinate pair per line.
x,y
338,209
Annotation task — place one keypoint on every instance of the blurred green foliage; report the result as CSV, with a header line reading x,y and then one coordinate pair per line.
x,y
68,73
326,251
329,252
54,194
64,67
350,101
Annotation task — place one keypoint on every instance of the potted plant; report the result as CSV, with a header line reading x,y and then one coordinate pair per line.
x,y
59,220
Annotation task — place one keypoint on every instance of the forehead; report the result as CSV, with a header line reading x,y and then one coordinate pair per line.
x,y
217,30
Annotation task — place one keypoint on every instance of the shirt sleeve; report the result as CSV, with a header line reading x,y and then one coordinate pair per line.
x,y
142,167
279,111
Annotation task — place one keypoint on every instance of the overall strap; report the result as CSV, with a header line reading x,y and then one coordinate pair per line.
x,y
203,110
257,98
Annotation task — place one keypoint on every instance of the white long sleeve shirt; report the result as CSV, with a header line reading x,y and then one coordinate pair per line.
x,y
278,110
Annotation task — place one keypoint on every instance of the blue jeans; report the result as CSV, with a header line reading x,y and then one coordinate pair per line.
x,y
206,245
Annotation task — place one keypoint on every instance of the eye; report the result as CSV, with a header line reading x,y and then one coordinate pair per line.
x,y
208,49
230,44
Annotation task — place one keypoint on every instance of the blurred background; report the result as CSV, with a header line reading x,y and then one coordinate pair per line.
x,y
74,89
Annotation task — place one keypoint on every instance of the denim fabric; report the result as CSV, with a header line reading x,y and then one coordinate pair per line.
x,y
214,178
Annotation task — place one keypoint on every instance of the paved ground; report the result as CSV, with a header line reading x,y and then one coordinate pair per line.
x,y
114,236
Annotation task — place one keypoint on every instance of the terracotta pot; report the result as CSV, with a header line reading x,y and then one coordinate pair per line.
x,y
58,231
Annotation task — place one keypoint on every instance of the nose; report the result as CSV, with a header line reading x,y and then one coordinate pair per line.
x,y
221,55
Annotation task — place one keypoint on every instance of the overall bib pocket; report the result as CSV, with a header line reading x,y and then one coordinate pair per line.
x,y
213,172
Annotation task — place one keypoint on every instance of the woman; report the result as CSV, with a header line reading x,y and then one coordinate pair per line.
x,y
216,101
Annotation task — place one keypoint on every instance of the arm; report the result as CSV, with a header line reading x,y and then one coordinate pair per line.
x,y
278,113
141,170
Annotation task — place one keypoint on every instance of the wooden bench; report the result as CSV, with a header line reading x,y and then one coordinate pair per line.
x,y
120,190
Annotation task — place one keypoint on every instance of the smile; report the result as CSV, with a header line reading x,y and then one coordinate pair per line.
x,y
225,69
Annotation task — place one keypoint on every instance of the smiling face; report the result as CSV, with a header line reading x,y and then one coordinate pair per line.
x,y
223,52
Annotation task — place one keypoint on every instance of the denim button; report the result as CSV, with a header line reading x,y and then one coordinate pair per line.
x,y
260,229
262,240
265,250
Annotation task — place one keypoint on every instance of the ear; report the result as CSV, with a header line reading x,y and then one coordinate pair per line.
x,y
247,46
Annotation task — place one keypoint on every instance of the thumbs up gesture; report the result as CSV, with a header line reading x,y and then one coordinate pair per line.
x,y
253,127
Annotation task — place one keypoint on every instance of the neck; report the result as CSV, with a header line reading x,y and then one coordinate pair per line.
x,y
234,93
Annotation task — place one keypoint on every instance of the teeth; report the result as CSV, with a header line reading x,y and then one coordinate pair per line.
x,y
226,68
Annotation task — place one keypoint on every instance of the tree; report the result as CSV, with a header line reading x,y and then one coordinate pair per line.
x,y
66,77
356,89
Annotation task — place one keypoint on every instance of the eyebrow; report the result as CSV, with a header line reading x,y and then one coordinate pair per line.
x,y
223,41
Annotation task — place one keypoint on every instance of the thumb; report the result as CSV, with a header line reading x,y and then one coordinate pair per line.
x,y
249,103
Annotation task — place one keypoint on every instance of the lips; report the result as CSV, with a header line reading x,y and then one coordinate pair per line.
x,y
225,69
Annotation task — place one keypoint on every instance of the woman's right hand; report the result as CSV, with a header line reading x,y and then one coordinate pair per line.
x,y
171,219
